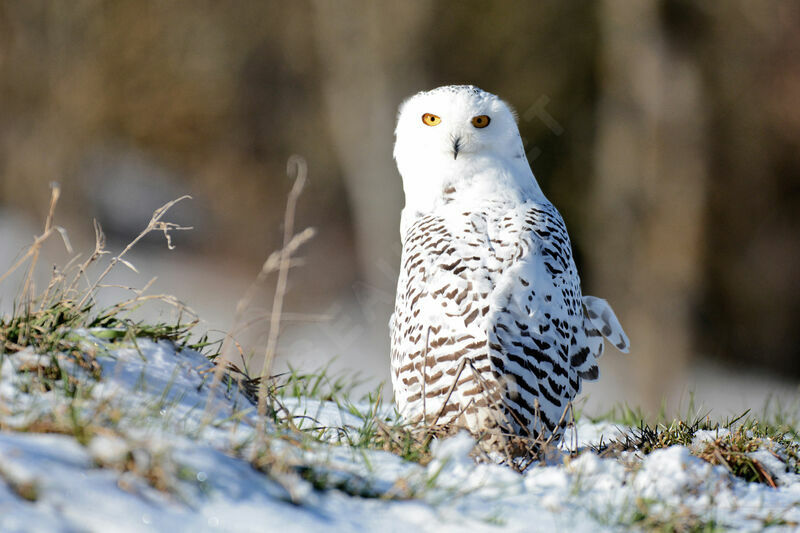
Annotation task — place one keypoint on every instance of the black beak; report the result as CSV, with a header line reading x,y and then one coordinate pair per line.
x,y
456,147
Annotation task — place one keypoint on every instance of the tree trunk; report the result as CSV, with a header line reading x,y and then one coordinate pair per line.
x,y
372,57
372,53
651,176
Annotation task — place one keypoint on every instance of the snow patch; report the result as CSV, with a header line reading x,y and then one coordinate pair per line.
x,y
172,464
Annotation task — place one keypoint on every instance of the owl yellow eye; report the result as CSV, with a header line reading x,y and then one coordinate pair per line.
x,y
430,120
481,121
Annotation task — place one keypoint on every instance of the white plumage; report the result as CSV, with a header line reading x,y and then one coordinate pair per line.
x,y
490,330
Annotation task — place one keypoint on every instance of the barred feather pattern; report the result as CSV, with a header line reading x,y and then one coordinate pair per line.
x,y
490,329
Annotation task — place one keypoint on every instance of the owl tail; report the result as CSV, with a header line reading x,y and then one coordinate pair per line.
x,y
602,317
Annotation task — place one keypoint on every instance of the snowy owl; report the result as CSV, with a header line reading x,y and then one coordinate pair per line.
x,y
490,331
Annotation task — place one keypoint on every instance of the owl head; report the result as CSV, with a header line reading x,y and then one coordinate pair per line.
x,y
453,133
456,121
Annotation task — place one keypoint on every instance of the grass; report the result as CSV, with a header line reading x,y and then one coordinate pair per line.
x,y
732,446
46,321
322,384
645,518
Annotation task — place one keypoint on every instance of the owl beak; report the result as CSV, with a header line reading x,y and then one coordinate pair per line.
x,y
456,147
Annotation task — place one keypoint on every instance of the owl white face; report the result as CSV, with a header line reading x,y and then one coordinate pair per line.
x,y
459,137
441,128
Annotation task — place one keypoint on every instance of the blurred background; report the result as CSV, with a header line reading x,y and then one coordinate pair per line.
x,y
666,131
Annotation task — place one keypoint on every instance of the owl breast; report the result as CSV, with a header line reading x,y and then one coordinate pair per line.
x,y
488,331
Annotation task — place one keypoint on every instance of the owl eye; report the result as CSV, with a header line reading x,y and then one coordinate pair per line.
x,y
430,120
481,121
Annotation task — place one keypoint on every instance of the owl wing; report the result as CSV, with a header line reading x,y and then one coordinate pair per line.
x,y
541,337
600,315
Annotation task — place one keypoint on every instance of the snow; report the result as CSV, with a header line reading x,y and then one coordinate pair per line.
x,y
164,462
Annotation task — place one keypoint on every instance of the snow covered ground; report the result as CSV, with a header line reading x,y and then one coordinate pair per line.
x,y
141,448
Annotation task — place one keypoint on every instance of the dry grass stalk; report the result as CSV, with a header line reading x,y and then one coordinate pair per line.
x,y
301,169
425,377
243,306
279,261
99,250
62,302
28,288
155,224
